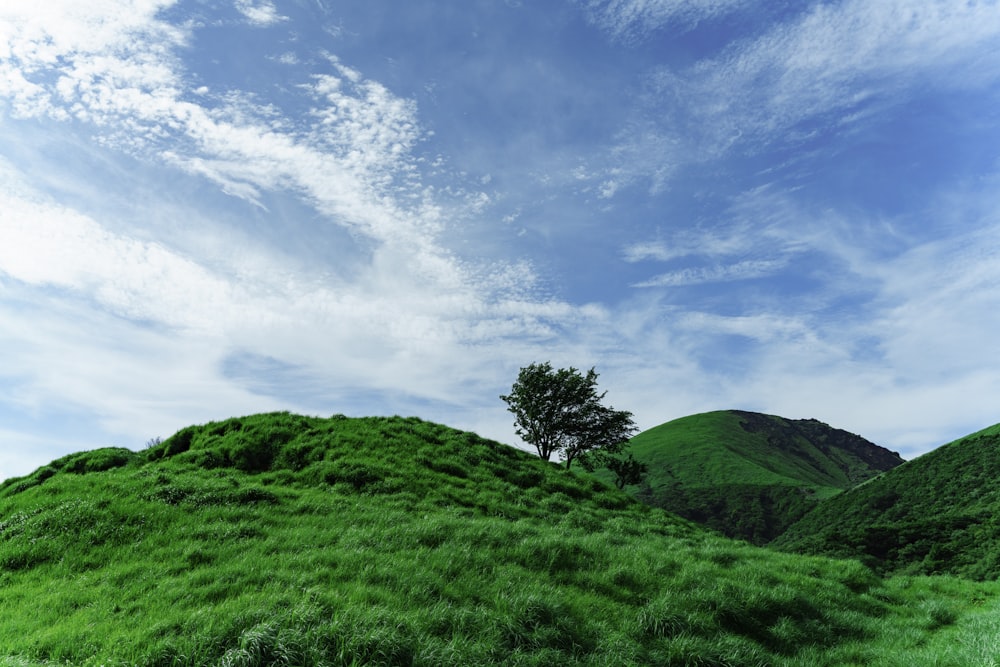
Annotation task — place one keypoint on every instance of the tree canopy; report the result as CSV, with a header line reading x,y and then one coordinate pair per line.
x,y
559,411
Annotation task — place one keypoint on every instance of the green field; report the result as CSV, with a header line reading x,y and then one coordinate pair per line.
x,y
280,539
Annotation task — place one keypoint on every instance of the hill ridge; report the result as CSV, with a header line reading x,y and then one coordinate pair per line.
x,y
828,440
934,515
751,475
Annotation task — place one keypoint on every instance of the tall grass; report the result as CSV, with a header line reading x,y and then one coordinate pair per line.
x,y
296,541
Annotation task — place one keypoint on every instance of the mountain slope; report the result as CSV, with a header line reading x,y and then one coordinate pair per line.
x,y
750,475
936,514
279,539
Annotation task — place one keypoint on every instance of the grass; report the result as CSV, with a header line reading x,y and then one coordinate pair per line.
x,y
279,539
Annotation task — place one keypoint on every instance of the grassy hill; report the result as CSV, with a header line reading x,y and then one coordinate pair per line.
x,y
281,539
750,475
939,513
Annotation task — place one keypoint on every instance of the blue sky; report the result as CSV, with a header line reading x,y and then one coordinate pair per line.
x,y
214,208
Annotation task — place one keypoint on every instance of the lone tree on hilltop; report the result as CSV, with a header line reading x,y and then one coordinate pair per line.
x,y
560,412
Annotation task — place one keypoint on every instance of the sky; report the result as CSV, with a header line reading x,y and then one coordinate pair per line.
x,y
212,208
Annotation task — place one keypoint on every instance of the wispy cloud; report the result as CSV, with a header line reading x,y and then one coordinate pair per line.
x,y
887,337
349,154
628,19
411,314
758,235
907,365
717,241
50,246
826,69
158,348
72,362
940,304
176,245
746,270
838,58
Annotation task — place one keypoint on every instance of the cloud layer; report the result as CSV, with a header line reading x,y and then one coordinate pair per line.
x,y
215,209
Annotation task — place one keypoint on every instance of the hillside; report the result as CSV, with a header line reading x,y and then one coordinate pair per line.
x,y
280,539
935,514
750,475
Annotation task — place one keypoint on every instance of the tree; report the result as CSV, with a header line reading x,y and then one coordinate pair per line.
x,y
626,469
560,412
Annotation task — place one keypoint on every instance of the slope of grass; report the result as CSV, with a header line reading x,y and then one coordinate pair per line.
x,y
750,475
279,539
936,514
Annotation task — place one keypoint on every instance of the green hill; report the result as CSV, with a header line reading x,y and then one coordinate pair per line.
x,y
939,513
281,539
750,475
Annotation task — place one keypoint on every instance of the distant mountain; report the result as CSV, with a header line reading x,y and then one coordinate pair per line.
x,y
939,513
750,475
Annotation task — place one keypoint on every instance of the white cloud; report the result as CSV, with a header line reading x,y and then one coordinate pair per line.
x,y
44,244
37,39
152,326
149,330
139,335
351,155
262,13
769,327
608,189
